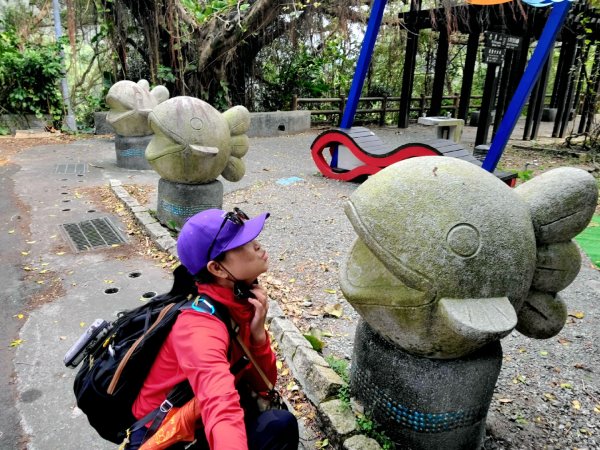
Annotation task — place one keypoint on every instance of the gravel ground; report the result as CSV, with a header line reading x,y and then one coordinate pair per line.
x,y
548,392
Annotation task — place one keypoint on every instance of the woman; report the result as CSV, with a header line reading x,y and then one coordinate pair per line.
x,y
220,251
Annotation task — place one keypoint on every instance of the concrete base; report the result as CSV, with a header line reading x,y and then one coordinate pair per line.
x,y
101,125
177,201
424,403
278,123
16,122
131,152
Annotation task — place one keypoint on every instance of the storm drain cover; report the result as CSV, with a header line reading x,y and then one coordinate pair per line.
x,y
92,234
79,168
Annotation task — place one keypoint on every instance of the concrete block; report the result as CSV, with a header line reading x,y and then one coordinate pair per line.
x,y
361,442
305,359
279,326
165,242
145,218
290,341
278,123
156,230
139,209
322,384
338,418
274,311
101,125
114,182
120,192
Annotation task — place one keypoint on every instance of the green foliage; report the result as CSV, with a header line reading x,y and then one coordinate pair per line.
x,y
525,175
303,71
4,131
364,422
204,11
29,76
165,75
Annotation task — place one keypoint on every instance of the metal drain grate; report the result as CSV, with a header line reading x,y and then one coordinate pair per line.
x,y
79,168
92,234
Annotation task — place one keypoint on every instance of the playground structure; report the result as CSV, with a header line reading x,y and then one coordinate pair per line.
x,y
347,162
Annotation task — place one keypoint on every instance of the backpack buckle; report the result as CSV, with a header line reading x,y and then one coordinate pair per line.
x,y
165,406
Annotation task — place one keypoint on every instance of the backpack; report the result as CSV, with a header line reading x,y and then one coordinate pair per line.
x,y
115,368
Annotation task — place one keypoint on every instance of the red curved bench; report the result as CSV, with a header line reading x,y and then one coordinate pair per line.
x,y
375,154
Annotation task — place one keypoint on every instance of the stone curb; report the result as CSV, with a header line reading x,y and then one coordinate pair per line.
x,y
320,383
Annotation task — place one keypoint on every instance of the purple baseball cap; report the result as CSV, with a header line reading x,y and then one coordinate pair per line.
x,y
201,230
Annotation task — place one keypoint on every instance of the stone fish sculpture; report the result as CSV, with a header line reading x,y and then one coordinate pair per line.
x,y
130,103
193,143
449,259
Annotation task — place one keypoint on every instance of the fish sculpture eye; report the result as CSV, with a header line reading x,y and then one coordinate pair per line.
x,y
196,123
464,240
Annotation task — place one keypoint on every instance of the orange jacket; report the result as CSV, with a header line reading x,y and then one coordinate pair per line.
x,y
197,348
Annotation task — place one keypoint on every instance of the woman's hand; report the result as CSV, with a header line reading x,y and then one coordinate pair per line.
x,y
261,306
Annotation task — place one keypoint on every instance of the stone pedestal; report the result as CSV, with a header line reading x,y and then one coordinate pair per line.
x,y
424,403
178,201
131,151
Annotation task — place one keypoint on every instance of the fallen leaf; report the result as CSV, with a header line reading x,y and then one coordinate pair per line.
x,y
24,253
566,385
44,264
60,253
316,343
53,236
27,268
43,271
597,409
19,316
108,281
285,372
564,341
279,364
30,242
334,310
322,444
330,291
16,342
504,400
522,350
82,324
543,353
40,281
577,314
11,231
576,404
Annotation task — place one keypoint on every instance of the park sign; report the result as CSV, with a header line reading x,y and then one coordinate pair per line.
x,y
493,55
500,40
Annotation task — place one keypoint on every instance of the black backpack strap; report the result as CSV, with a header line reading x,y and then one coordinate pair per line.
x,y
179,396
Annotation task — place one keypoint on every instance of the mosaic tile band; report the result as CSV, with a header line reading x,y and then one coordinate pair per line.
x,y
181,210
133,153
422,422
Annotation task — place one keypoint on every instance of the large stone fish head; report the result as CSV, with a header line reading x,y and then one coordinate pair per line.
x,y
194,143
445,256
130,103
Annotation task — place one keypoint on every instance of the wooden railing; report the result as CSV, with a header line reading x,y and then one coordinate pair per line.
x,y
378,107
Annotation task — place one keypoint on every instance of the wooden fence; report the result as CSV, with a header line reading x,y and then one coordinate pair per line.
x,y
377,107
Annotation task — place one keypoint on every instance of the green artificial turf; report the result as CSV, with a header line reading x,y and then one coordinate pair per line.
x,y
589,240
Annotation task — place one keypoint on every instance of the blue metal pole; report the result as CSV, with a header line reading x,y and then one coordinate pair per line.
x,y
538,59
364,59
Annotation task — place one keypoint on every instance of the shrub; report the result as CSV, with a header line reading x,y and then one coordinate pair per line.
x,y
29,77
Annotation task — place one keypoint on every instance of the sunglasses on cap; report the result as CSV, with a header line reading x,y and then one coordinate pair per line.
x,y
236,216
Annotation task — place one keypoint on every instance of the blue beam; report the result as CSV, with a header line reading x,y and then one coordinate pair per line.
x,y
538,59
364,59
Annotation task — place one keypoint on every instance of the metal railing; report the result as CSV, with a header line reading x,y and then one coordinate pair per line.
x,y
377,107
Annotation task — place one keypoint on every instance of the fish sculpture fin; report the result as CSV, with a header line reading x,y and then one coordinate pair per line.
x,y
239,145
542,315
238,119
234,170
160,94
144,84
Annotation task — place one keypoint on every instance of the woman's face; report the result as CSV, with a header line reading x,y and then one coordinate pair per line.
x,y
247,262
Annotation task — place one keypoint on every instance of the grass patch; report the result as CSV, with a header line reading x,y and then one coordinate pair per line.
x,y
364,422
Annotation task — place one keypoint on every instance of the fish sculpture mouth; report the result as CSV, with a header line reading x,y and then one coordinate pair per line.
x,y
479,319
410,277
116,117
